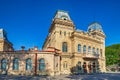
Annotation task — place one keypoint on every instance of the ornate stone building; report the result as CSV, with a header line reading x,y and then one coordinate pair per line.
x,y
78,48
65,51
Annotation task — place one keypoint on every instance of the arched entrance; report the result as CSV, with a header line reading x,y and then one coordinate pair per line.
x,y
79,69
84,67
90,67
94,67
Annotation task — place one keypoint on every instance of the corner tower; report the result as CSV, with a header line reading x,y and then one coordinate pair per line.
x,y
96,30
60,30
5,44
59,37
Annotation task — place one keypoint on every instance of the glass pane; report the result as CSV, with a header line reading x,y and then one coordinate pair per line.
x,y
42,64
89,49
3,64
28,64
15,64
79,48
64,47
84,49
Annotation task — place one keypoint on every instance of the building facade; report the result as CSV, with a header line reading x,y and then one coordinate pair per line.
x,y
66,50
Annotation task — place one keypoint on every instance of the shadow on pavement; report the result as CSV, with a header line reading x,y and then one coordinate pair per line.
x,y
94,77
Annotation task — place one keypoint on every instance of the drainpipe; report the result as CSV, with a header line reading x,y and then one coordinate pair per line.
x,y
36,50
35,63
60,63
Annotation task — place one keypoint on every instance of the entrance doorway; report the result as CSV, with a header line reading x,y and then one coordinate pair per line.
x,y
84,67
94,67
90,67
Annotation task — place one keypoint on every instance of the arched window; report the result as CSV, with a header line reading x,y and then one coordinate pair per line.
x,y
89,49
64,47
97,51
41,64
84,49
79,48
28,64
93,50
3,64
15,64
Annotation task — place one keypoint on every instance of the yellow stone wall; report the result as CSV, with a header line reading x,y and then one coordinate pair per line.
x,y
52,64
1,45
5,46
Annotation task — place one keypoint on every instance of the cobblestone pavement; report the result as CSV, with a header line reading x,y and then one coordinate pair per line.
x,y
108,76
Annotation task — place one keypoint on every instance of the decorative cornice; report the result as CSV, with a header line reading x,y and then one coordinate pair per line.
x,y
63,22
94,39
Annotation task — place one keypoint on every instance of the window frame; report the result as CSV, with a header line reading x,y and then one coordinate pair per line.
x,y
84,49
42,62
28,64
64,47
15,63
4,63
79,48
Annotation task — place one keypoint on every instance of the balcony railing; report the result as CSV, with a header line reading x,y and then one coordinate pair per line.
x,y
91,55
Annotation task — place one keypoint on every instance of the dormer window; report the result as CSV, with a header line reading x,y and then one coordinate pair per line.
x,y
60,14
64,17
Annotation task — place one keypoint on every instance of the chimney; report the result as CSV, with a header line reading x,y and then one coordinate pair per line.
x,y
10,49
23,48
35,48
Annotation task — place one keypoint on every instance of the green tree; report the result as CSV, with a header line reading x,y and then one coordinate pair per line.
x,y
112,54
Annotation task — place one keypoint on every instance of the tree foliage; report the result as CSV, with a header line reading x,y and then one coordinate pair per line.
x,y
112,54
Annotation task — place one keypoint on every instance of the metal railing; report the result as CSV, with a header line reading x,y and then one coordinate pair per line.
x,y
91,55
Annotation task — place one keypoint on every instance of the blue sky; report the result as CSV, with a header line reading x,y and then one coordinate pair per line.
x,y
27,21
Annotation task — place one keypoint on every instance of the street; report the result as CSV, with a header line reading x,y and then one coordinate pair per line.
x,y
105,76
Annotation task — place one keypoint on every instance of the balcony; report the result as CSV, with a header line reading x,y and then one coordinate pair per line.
x,y
90,56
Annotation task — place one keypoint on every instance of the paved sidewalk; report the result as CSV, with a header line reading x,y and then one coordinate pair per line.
x,y
105,76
